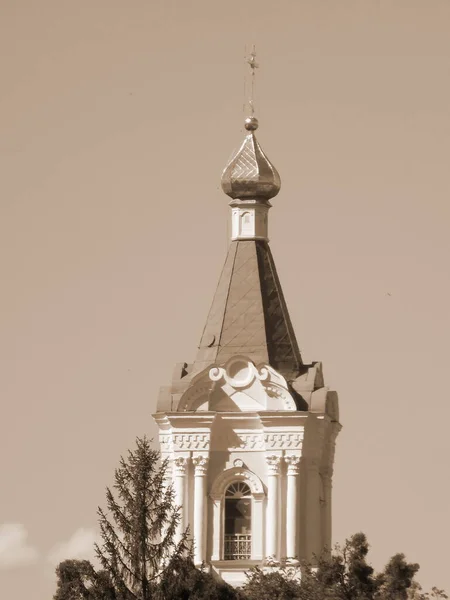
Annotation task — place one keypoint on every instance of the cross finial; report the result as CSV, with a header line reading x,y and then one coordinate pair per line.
x,y
251,60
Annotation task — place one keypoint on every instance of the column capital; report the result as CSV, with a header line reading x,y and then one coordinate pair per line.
x,y
274,463
201,465
180,465
293,464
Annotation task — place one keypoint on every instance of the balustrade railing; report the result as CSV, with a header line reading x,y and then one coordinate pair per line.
x,y
238,546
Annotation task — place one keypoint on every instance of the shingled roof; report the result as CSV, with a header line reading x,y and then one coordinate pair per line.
x,y
249,315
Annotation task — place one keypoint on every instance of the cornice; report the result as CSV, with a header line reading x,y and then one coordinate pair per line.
x,y
179,420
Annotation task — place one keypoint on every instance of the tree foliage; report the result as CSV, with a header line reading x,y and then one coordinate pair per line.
x,y
343,575
140,555
78,580
182,581
272,585
138,532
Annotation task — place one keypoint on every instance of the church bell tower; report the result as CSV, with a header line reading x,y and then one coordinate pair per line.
x,y
248,427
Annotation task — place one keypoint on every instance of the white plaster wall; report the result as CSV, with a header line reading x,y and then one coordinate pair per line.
x,y
251,437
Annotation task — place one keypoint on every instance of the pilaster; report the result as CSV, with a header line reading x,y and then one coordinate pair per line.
x,y
200,463
292,507
180,465
313,521
273,493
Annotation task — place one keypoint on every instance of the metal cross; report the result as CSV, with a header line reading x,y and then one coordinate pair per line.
x,y
253,65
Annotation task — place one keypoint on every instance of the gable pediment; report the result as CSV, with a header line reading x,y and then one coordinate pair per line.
x,y
238,386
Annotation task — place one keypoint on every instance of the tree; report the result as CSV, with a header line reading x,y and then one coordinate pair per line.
x,y
347,572
343,575
138,535
415,592
140,558
274,585
78,580
182,581
396,579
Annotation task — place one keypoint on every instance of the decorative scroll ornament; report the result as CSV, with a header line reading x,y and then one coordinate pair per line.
x,y
201,465
293,464
273,463
180,465
247,385
239,373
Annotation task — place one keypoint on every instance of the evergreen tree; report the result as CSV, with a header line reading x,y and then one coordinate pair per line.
x,y
138,533
139,555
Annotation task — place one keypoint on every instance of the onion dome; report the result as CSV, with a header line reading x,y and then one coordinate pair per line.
x,y
250,174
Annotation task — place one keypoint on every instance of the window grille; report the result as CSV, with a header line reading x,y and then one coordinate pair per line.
x,y
238,538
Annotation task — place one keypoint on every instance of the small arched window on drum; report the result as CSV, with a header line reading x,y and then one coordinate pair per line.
x,y
246,223
238,518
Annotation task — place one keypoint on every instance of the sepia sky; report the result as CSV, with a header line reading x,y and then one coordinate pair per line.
x,y
117,118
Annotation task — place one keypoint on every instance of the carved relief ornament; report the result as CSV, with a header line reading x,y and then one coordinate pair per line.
x,y
247,441
293,464
246,373
283,441
201,465
179,465
273,463
237,473
191,441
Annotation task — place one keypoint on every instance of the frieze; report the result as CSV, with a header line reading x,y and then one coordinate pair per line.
x,y
283,441
191,441
247,441
165,443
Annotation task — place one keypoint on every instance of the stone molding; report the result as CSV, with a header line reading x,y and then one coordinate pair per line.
x,y
283,441
191,396
248,441
191,441
165,442
224,479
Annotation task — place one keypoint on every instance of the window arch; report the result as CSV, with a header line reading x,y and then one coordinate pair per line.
x,y
238,522
225,487
246,220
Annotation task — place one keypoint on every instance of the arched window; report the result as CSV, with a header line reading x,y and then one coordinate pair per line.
x,y
238,519
246,228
